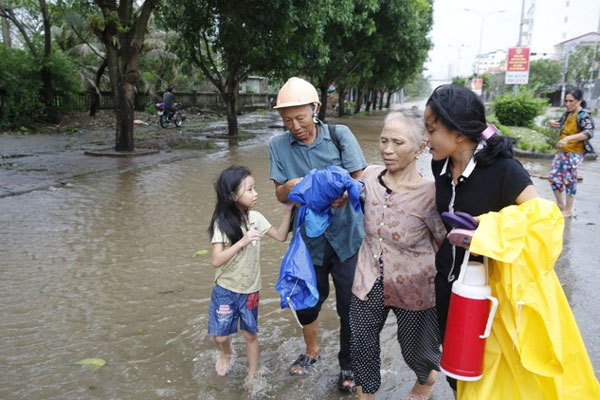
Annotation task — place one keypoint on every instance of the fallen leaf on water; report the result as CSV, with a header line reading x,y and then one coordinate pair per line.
x,y
201,252
91,362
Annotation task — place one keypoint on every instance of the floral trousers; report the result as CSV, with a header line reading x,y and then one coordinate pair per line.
x,y
563,173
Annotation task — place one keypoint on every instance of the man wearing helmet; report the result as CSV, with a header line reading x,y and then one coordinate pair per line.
x,y
307,144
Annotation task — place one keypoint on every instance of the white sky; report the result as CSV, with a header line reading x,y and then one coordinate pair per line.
x,y
455,34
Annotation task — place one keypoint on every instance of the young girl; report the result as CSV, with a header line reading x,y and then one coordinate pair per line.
x,y
236,233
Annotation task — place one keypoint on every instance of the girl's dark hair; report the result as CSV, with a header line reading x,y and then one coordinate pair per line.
x,y
228,215
577,94
461,110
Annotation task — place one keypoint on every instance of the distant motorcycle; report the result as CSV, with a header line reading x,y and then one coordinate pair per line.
x,y
166,117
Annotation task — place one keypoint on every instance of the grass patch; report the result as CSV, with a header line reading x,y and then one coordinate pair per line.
x,y
538,140
531,140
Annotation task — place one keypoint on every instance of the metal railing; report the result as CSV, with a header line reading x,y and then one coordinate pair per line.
x,y
202,100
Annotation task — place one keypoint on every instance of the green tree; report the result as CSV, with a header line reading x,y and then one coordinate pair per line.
x,y
543,73
20,85
418,88
33,21
400,44
337,55
228,40
121,27
582,64
461,81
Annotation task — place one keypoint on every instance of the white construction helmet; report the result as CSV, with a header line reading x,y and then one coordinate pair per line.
x,y
296,92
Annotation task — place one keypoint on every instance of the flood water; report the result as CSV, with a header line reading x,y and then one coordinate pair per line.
x,y
104,268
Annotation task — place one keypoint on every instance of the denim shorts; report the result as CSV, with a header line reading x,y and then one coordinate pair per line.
x,y
227,307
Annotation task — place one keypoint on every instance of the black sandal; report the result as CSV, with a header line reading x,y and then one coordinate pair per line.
x,y
345,376
305,361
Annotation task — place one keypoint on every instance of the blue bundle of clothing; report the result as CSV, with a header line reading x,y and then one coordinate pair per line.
x,y
297,283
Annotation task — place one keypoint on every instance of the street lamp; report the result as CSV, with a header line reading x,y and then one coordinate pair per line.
x,y
483,17
458,49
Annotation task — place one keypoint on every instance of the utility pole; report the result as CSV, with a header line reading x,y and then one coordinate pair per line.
x,y
519,42
564,79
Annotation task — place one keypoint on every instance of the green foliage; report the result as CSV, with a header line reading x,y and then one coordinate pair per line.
x,y
400,43
543,73
418,88
581,66
64,74
519,110
461,81
550,134
505,130
528,139
150,108
20,86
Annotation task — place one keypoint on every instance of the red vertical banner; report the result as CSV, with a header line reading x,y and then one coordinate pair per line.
x,y
517,66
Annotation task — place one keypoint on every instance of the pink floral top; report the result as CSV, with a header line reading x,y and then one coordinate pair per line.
x,y
405,229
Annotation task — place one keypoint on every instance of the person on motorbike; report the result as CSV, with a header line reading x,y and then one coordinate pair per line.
x,y
169,101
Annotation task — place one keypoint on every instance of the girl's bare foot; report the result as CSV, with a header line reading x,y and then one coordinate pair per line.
x,y
223,364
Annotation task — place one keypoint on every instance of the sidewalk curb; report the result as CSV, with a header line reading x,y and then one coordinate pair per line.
x,y
549,156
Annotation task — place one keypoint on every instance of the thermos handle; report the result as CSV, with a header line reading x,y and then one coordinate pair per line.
x,y
488,326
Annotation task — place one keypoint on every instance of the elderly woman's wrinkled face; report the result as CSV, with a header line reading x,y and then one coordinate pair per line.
x,y
397,144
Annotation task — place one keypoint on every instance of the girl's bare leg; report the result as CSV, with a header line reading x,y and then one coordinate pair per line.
x,y
224,361
252,350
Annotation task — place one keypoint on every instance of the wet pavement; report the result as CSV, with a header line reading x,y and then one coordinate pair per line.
x,y
96,261
40,161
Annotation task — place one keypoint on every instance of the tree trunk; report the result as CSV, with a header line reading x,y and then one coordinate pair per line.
x,y
381,93
389,99
229,98
323,86
369,100
341,100
126,101
359,96
5,28
52,113
95,91
123,52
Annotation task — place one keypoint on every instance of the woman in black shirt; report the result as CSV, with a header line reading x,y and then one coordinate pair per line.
x,y
474,170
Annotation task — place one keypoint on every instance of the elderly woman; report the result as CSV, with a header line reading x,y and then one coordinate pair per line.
x,y
395,269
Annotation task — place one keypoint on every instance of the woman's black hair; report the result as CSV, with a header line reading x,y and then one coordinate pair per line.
x,y
461,110
228,215
577,95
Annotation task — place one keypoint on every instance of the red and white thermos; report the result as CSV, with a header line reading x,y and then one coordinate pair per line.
x,y
469,322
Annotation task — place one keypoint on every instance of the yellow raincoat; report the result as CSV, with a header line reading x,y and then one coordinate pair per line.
x,y
535,351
